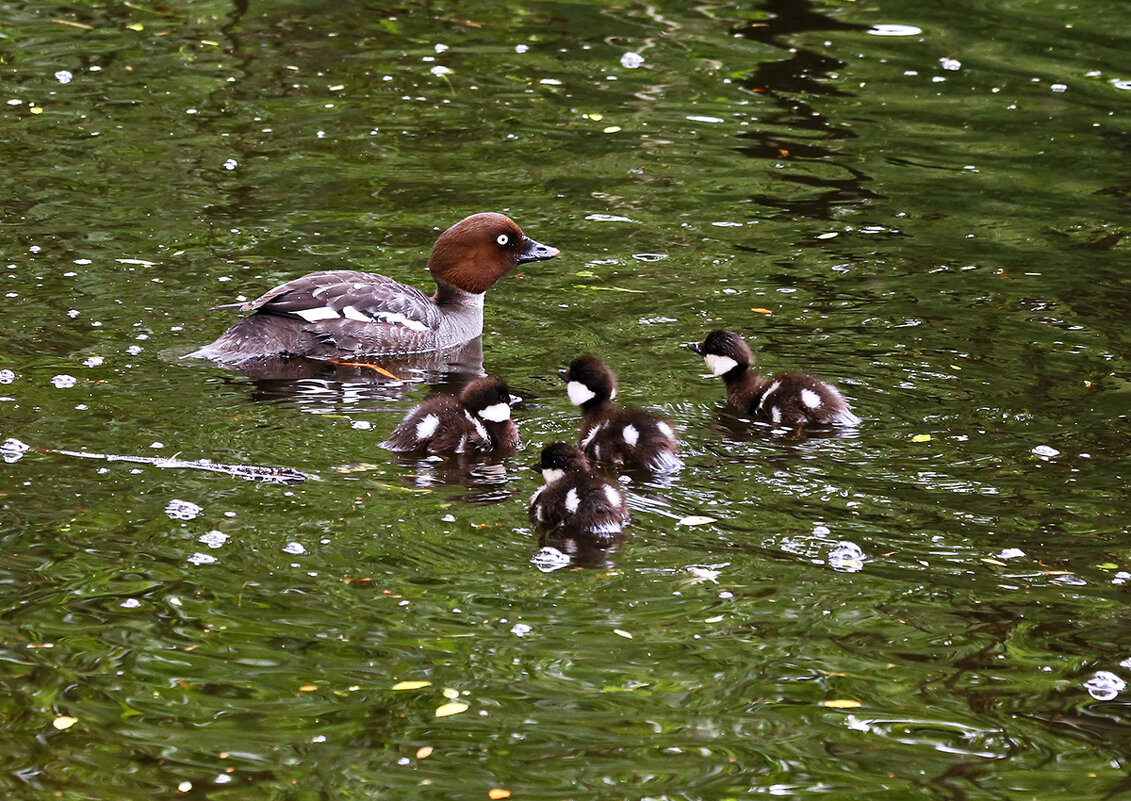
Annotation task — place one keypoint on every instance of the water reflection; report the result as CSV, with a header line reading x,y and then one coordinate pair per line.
x,y
798,132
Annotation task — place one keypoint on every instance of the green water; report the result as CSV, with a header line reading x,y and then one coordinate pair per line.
x,y
976,177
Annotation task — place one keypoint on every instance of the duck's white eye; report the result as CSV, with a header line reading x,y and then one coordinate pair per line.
x,y
503,239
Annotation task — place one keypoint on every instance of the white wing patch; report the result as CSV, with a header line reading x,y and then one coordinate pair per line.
x,y
579,393
775,413
767,393
427,427
719,365
592,433
666,430
572,501
350,313
810,398
396,318
479,429
496,413
314,315
612,494
631,435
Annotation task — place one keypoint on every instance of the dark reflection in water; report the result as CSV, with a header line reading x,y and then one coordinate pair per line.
x,y
576,550
798,132
486,476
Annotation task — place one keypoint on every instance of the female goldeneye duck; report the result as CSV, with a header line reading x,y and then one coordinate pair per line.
x,y
787,398
574,500
478,420
630,438
344,314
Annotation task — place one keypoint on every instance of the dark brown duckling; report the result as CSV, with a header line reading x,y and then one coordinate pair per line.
x,y
629,438
575,501
478,420
787,398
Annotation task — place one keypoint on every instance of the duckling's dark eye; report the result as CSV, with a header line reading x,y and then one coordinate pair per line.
x,y
503,239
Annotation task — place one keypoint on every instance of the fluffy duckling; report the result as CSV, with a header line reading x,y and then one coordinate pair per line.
x,y
574,501
630,438
478,420
787,398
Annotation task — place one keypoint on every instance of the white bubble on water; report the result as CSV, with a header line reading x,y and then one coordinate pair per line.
x,y
295,548
12,450
203,559
214,538
7,376
894,30
231,164
521,48
950,64
182,510
631,61
1104,685
130,603
846,557
549,559
63,76
64,381
521,629
1046,451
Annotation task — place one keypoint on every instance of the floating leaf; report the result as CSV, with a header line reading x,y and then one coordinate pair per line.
x,y
36,110
62,723
411,685
607,288
715,619
841,703
760,310
695,520
453,708
450,694
990,561
184,787
829,235
498,792
137,26
1107,566
622,633
921,438
612,129
308,688
424,752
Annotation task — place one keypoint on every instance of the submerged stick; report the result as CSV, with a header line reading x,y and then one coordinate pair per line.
x,y
268,475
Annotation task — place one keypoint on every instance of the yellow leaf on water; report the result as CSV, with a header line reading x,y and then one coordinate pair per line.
x,y
829,235
921,438
62,723
612,129
989,561
453,708
695,520
411,685
498,792
761,310
622,633
36,110
137,26
841,703
308,688
184,787
450,694
424,752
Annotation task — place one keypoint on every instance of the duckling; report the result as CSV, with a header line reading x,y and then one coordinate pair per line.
x,y
574,501
478,420
630,438
787,398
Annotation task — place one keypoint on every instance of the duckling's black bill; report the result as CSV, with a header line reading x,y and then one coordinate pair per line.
x,y
563,375
535,251
695,347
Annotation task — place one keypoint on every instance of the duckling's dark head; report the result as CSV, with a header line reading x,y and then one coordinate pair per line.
x,y
589,381
559,458
723,351
488,398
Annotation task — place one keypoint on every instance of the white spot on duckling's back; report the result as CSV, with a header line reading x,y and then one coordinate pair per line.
x,y
479,429
631,435
766,395
427,427
572,501
579,393
810,398
719,365
612,494
314,315
592,433
666,430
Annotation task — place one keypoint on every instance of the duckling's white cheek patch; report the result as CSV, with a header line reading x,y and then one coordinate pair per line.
x,y
427,427
552,475
631,435
496,413
314,315
719,365
572,501
810,398
579,393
